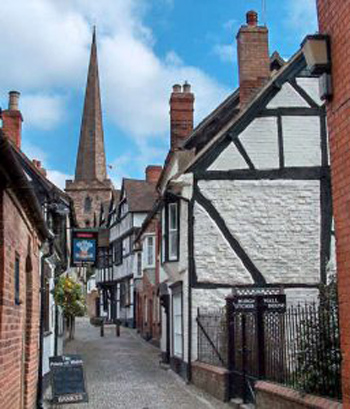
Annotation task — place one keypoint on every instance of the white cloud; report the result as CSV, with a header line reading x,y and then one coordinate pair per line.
x,y
46,44
226,52
301,17
34,152
42,111
58,178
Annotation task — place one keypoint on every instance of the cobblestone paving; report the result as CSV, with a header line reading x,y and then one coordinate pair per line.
x,y
124,373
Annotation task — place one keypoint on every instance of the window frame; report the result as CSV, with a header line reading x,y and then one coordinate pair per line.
x,y
146,251
177,294
166,257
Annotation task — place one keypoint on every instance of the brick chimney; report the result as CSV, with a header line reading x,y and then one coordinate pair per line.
x,y
153,173
253,58
37,164
12,119
181,114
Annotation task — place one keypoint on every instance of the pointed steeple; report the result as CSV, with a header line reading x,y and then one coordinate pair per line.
x,y
91,160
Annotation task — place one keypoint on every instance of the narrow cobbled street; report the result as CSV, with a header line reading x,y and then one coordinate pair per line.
x,y
125,373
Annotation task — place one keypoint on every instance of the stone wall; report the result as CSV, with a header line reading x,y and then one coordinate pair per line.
x,y
97,191
19,322
276,222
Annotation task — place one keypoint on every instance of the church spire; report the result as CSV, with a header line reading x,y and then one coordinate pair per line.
x,y
91,160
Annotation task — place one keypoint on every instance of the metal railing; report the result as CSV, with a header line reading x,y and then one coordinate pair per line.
x,y
299,347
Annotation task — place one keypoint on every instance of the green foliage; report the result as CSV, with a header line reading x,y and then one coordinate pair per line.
x,y
319,355
68,295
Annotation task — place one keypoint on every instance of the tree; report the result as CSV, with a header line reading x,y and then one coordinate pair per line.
x,y
68,295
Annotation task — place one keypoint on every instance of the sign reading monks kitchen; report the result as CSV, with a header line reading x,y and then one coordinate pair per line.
x,y
84,246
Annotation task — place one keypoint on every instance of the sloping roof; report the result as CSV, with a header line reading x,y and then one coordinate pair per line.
x,y
12,172
140,194
224,113
242,118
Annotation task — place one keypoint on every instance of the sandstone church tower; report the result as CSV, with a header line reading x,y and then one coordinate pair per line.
x,y
90,187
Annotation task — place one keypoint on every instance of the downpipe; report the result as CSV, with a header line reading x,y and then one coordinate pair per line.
x,y
40,389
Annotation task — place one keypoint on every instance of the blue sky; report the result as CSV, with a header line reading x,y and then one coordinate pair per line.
x,y
144,47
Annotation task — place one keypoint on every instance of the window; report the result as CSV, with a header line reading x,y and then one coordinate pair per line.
x,y
173,231
149,252
118,252
139,264
17,278
170,232
87,204
177,324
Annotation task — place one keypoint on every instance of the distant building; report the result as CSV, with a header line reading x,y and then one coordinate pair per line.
x,y
90,187
119,264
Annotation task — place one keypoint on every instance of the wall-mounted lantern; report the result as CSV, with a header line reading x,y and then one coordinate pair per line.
x,y
316,50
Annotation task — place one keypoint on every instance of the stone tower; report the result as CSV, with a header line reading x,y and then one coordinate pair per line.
x,y
90,187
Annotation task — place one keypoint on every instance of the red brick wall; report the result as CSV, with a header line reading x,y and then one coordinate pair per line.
x,y
19,324
334,19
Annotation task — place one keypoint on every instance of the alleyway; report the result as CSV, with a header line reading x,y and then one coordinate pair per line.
x,y
124,373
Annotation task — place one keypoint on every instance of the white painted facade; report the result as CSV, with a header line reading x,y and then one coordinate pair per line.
x,y
277,221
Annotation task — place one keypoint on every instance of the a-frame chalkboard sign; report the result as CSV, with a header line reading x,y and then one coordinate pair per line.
x,y
67,380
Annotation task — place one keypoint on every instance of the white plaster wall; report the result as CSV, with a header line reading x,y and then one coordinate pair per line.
x,y
139,219
49,339
205,299
126,268
260,140
302,140
216,262
311,87
287,97
277,222
230,158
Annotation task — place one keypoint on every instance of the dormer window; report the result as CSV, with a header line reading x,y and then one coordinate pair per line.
x,y
87,204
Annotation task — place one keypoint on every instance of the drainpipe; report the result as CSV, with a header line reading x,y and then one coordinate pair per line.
x,y
40,390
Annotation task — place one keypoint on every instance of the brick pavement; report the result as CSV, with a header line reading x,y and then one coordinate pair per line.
x,y
124,373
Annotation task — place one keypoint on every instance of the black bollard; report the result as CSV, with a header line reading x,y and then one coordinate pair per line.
x,y
102,329
117,329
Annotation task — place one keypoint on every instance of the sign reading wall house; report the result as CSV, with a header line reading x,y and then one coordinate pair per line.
x,y
269,303
84,246
67,379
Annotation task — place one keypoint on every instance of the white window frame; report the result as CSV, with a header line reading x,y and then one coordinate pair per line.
x,y
177,325
149,253
173,232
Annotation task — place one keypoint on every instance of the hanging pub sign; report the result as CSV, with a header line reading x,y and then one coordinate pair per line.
x,y
84,246
67,379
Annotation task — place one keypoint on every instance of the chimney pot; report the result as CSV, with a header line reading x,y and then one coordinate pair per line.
x,y
181,115
252,18
13,100
177,88
187,87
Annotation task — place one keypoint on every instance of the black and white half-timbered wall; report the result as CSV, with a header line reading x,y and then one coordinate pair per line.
x,y
255,202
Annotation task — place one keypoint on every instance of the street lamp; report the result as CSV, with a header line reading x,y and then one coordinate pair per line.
x,y
316,50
